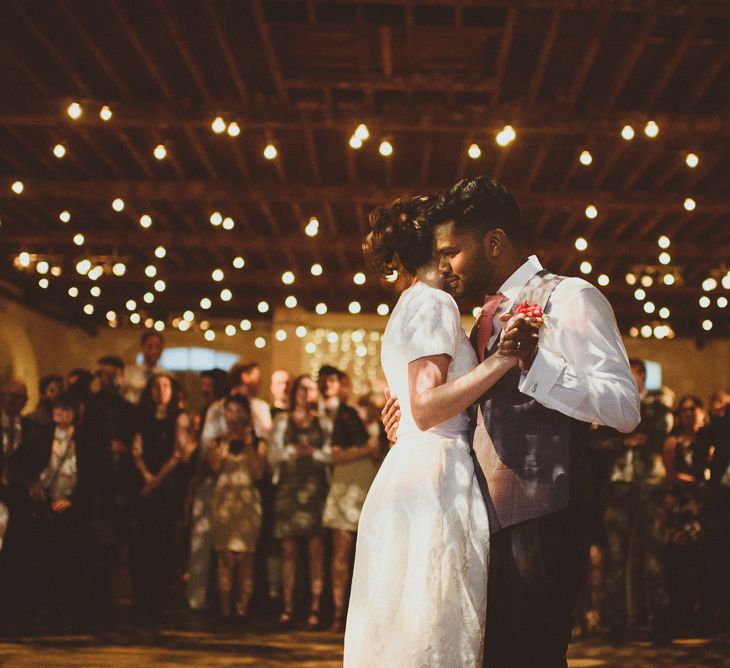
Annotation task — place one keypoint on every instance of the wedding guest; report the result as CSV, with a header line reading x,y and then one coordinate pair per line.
x,y
717,407
106,433
633,517
299,454
63,528
160,446
137,376
683,507
215,387
280,386
24,453
354,471
236,506
49,388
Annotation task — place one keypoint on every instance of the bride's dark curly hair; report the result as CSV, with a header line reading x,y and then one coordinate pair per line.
x,y
400,238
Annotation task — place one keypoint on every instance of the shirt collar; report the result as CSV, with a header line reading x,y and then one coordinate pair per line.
x,y
513,285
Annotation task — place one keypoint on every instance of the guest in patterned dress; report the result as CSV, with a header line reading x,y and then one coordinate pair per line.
x,y
299,455
236,505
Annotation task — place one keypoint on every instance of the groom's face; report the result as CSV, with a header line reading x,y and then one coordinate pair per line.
x,y
468,270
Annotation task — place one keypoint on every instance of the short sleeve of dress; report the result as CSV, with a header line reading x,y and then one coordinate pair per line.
x,y
430,324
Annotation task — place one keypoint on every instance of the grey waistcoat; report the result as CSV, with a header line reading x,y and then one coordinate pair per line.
x,y
521,447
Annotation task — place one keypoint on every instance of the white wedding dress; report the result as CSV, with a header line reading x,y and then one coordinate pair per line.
x,y
419,589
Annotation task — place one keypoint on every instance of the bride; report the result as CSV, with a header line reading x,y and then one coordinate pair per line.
x,y
419,589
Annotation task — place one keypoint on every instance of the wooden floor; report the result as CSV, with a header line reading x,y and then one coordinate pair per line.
x,y
266,649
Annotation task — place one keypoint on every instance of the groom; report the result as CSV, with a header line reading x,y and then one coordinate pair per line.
x,y
529,428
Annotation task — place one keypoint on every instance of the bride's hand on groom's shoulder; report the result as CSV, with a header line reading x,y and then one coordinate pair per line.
x,y
519,338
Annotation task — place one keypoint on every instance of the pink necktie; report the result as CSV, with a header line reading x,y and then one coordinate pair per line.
x,y
486,320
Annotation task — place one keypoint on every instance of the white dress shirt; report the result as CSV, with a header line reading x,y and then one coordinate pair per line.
x,y
581,368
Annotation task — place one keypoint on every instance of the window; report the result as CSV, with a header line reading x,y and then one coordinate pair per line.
x,y
653,375
194,359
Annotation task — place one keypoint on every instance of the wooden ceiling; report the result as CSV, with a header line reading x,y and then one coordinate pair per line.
x,y
430,77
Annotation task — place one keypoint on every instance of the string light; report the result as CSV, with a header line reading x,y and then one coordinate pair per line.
x,y
205,303
692,160
639,294
263,307
586,267
726,281
209,335
135,318
56,270
228,223
280,335
17,187
665,258
230,330
79,239
311,347
96,273
651,129
74,110
105,113
603,280
290,301
245,325
150,271
260,342
73,291
42,267
148,297
707,325
474,152
226,295
355,142
354,308
270,152
131,304
301,331
586,158
646,331
668,279
362,132
316,269
217,275
664,313
216,218
43,283
383,309
722,302
312,227
627,132
160,285
59,150
591,211
631,279
664,242
386,148
188,316
160,252
506,136
649,307
95,291
145,221
233,129
238,262
118,205
690,204
705,301
581,244
160,152
218,125
321,308
359,278
709,284
64,216
183,326
159,326
647,281
88,309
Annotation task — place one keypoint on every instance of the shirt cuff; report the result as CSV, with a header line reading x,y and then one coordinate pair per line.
x,y
544,374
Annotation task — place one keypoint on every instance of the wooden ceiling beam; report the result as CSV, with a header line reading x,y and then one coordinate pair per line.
x,y
228,56
272,59
714,67
503,54
542,62
589,57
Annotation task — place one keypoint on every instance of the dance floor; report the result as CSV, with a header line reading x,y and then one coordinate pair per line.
x,y
265,649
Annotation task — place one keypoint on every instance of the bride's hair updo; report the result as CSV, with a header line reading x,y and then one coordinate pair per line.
x,y
400,238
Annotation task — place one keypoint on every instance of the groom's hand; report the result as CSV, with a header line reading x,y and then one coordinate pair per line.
x,y
519,339
390,415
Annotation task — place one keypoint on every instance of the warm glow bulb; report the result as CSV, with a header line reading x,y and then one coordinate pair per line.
x,y
17,187
260,342
603,280
581,244
707,325
209,335
359,278
42,267
639,294
160,285
160,252
692,160
287,278
263,307
669,279
722,302
228,223
631,278
354,308
474,152
238,262
150,271
664,242
245,325
95,291
690,204
270,152
709,284
649,307
321,308
118,204
230,330
218,125
74,110
627,132
383,309
160,152
647,281
216,218
355,142
705,301
64,216
586,158
24,259
188,316
105,113
301,331
591,211
586,267
234,129
148,297
88,309
651,130
131,304
280,335
226,295
59,150
79,239
119,269
73,291
664,313
217,275
290,301
312,227
316,269
386,148
362,132
665,258
205,303
145,221
311,347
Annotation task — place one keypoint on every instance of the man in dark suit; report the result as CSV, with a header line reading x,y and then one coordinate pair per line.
x,y
26,446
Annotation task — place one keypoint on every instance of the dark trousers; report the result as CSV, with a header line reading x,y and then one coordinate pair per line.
x,y
635,515
535,568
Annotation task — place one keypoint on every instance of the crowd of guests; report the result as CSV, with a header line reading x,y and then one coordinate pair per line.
x,y
112,492
660,521
111,489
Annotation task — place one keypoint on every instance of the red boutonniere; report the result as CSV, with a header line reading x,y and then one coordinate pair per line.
x,y
531,311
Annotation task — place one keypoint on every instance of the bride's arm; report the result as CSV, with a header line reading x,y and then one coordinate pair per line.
x,y
434,399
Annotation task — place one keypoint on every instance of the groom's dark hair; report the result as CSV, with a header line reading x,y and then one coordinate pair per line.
x,y
481,204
